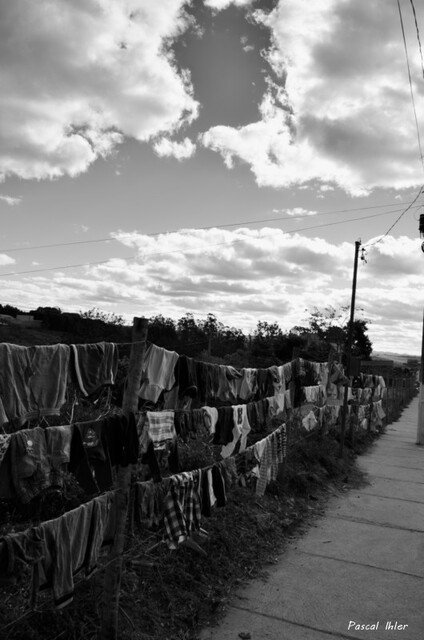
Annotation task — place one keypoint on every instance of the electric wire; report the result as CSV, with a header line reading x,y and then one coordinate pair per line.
x,y
372,244
216,226
418,35
186,251
410,83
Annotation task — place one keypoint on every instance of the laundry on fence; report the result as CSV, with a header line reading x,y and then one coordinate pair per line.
x,y
58,550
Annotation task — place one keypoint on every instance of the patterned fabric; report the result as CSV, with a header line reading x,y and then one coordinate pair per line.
x,y
270,452
160,425
4,445
182,509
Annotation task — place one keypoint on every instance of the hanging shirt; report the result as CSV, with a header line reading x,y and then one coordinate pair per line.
x,y
241,428
33,382
182,510
158,372
95,365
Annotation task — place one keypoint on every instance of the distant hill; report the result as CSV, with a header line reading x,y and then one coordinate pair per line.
x,y
398,358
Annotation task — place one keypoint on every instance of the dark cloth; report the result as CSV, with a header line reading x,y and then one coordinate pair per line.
x,y
183,422
32,382
257,414
94,365
202,381
79,464
58,441
18,550
224,426
29,463
73,542
122,439
185,376
218,487
96,447
182,511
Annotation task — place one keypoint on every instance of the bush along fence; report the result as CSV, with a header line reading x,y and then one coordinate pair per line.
x,y
85,470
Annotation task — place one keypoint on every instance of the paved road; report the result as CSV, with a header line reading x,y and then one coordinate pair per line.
x,y
362,564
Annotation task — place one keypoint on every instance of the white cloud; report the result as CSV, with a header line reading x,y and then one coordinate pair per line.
x,y
300,211
5,260
77,77
10,200
220,5
171,148
244,276
342,115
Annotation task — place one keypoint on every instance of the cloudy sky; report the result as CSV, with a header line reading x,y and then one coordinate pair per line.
x,y
213,156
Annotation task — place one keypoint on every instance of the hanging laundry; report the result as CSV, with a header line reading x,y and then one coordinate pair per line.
x,y
203,381
158,372
79,464
161,429
186,377
95,365
241,428
258,415
182,510
18,551
212,490
121,436
4,445
228,471
58,444
30,468
309,422
276,404
224,426
149,503
228,383
32,382
72,544
247,385
97,451
210,418
270,453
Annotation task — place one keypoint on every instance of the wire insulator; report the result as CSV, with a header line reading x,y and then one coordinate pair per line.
x,y
421,227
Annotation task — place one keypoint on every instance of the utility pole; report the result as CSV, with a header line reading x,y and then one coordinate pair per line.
x,y
349,345
113,570
420,426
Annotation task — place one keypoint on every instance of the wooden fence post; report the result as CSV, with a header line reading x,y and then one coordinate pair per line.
x,y
113,571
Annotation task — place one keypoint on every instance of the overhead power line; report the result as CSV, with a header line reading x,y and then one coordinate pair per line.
x,y
410,83
418,35
216,226
421,190
185,251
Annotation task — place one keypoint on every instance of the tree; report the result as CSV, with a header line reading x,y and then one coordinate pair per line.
x,y
108,318
331,326
361,344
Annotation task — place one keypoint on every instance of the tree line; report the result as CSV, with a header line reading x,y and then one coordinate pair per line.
x,y
325,331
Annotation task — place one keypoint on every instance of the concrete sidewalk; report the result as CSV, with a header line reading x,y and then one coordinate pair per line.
x,y
361,564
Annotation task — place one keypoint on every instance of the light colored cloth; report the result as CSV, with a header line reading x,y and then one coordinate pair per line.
x,y
270,453
210,418
241,430
160,426
33,381
247,384
310,422
158,372
276,404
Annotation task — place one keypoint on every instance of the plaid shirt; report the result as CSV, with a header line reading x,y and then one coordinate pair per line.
x,y
273,455
160,426
182,512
